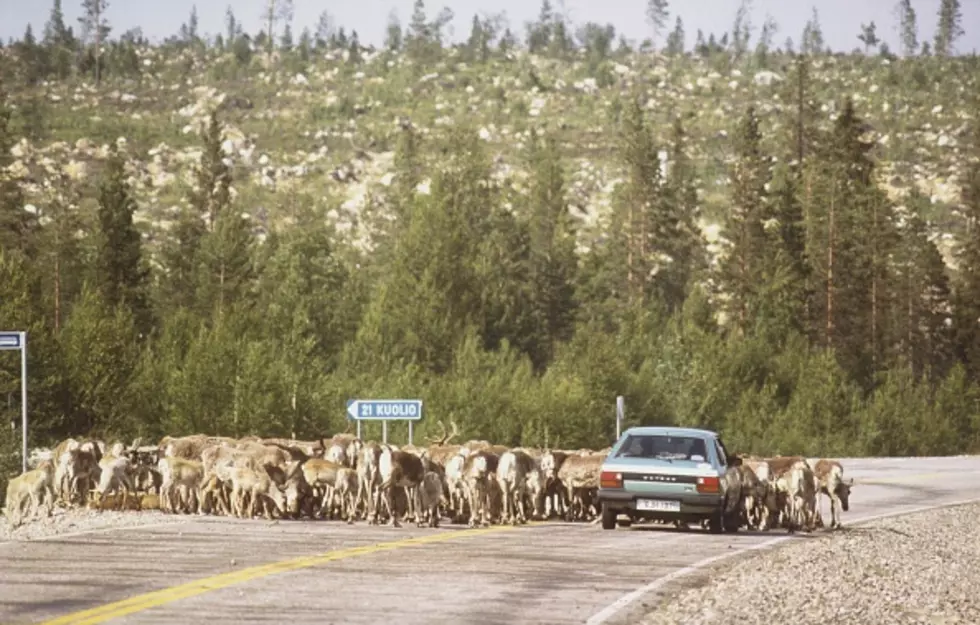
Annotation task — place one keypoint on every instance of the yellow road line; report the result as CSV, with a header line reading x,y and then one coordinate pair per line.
x,y
156,598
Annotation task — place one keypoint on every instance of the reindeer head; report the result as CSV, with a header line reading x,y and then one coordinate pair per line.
x,y
536,485
278,496
295,489
844,493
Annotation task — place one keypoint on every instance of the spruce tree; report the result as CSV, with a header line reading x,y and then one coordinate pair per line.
x,y
967,297
657,13
17,225
921,335
908,29
683,242
552,258
121,271
226,250
95,27
949,27
745,227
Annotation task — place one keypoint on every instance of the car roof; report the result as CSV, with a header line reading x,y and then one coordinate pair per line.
x,y
671,431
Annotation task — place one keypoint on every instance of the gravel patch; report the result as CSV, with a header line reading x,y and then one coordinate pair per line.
x,y
67,521
918,568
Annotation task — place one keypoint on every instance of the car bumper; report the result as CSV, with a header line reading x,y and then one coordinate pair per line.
x,y
693,506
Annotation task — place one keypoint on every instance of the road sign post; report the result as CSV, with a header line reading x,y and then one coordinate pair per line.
x,y
620,414
385,410
10,341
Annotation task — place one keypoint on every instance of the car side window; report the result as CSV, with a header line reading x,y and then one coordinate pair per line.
x,y
722,453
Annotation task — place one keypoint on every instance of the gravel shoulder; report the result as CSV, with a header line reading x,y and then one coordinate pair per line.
x,y
918,568
70,521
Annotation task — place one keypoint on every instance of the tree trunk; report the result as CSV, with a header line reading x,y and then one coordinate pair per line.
x,y
830,267
98,42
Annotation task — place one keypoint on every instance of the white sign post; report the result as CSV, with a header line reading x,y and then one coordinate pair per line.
x,y
18,341
620,414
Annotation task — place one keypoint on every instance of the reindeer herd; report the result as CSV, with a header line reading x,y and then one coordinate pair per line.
x,y
476,482
343,477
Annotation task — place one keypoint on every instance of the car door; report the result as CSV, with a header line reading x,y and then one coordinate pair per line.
x,y
732,481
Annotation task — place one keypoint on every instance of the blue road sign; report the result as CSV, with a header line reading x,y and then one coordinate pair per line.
x,y
10,340
384,409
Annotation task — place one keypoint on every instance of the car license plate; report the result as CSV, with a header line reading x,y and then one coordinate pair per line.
x,y
658,505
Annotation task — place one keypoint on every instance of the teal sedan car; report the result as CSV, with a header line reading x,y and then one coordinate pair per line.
x,y
670,474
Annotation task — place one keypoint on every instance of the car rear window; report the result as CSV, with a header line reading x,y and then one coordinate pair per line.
x,y
662,447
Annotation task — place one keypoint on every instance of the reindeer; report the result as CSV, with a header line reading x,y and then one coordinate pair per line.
x,y
404,470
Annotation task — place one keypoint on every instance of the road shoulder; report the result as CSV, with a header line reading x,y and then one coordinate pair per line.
x,y
917,567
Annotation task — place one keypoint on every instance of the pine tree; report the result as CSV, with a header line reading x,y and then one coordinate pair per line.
x,y
180,258
745,228
212,176
121,272
675,41
869,36
921,296
850,232
658,12
812,42
683,242
477,44
766,36
553,262
438,262
908,29
96,27
210,197
541,32
949,28
233,29
393,33
636,206
17,225
226,249
60,42
276,11
61,249
967,295
419,38
408,171
742,29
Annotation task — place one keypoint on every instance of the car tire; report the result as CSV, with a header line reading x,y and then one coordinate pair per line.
x,y
732,523
716,524
608,517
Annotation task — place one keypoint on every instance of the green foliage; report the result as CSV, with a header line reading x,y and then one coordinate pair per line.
x,y
831,327
121,271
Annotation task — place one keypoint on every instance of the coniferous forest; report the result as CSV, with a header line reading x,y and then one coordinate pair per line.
x,y
236,233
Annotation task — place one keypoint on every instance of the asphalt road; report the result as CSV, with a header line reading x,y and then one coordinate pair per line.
x,y
217,570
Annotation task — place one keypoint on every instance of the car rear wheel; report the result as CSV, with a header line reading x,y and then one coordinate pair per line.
x,y
716,524
608,517
732,523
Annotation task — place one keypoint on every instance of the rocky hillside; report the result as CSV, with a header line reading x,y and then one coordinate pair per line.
x,y
322,131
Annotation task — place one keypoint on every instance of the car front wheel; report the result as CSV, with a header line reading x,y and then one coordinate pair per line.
x,y
608,517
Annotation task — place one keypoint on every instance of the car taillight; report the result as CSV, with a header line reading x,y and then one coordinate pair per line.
x,y
708,485
610,479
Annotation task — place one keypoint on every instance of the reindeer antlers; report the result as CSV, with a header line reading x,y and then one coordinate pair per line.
x,y
441,439
445,437
454,433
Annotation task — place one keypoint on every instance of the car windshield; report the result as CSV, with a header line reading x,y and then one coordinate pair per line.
x,y
664,447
